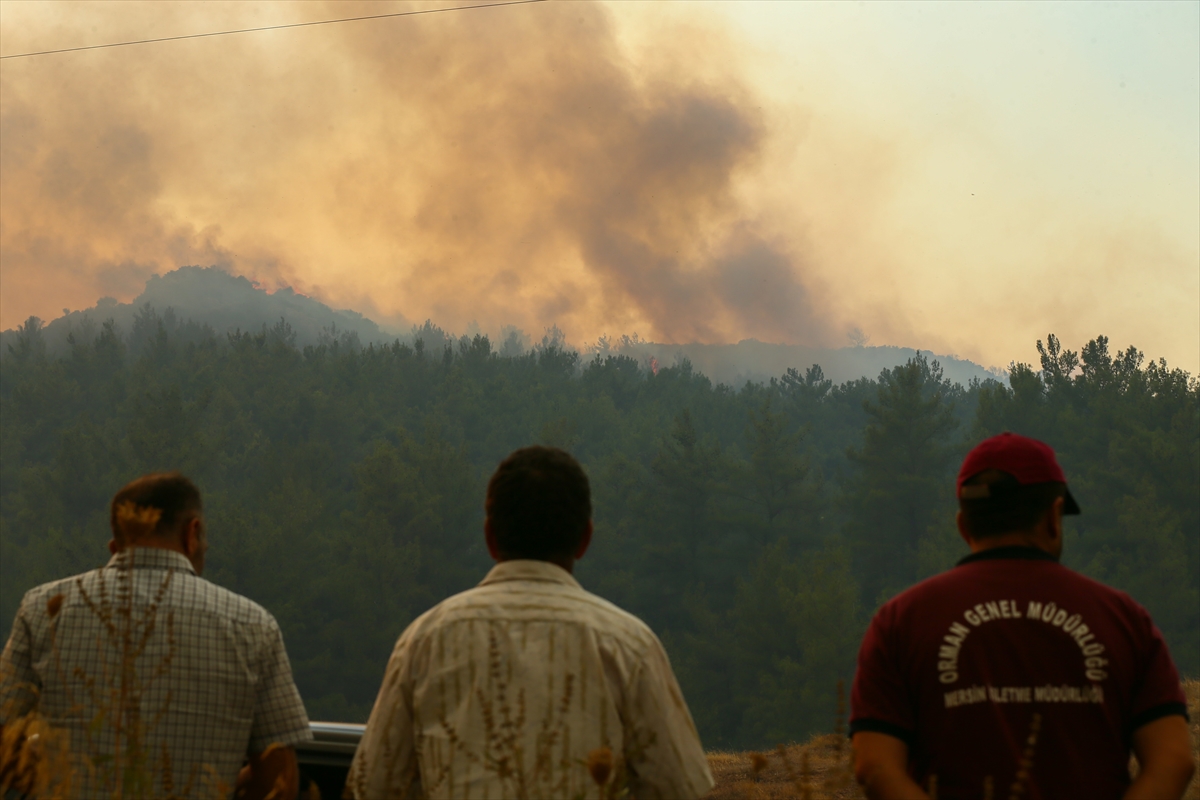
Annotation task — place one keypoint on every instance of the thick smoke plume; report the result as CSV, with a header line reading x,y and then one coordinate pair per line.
x,y
612,169
516,165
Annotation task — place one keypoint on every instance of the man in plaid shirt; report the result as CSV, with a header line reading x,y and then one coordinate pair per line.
x,y
164,682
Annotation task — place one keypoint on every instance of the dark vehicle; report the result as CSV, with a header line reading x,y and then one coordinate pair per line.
x,y
325,760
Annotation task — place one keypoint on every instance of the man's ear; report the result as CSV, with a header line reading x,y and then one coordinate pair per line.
x,y
113,547
489,536
585,542
192,536
1054,520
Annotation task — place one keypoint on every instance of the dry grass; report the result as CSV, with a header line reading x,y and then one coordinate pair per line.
x,y
766,776
820,769
35,759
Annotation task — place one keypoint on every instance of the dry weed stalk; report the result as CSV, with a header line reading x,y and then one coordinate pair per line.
x,y
117,760
280,787
1191,688
758,762
35,759
781,750
117,694
635,747
547,771
137,522
1026,765
837,779
842,776
600,767
805,775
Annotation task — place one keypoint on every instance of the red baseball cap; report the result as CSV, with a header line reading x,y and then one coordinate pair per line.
x,y
1027,460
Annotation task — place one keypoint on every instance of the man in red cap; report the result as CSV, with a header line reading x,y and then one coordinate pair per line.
x,y
1010,675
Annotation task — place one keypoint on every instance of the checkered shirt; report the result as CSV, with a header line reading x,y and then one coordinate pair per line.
x,y
200,673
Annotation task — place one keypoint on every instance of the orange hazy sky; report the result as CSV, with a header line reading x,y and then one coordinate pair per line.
x,y
963,178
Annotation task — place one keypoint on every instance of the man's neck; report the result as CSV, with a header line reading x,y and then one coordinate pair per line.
x,y
566,563
1018,539
156,544
167,543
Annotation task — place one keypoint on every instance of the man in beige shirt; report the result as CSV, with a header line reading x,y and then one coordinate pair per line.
x,y
527,685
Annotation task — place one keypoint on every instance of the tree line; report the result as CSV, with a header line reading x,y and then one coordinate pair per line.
x,y
755,528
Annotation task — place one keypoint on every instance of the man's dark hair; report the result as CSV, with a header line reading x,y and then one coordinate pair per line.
x,y
1008,506
539,504
175,498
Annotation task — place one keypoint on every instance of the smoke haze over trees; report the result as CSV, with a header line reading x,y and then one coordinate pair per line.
x,y
206,301
755,527
516,180
209,300
620,167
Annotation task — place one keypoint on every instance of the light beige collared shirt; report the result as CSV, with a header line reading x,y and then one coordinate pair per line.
x,y
504,691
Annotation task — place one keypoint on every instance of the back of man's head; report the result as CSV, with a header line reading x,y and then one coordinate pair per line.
x,y
539,504
1008,507
154,505
1008,483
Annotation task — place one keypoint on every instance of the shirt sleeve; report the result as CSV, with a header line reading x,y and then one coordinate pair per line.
x,y
1158,692
879,700
279,715
663,754
385,764
19,682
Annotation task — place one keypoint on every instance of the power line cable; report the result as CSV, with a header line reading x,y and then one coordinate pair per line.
x,y
272,28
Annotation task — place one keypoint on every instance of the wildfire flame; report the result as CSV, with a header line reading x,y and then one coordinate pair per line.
x,y
654,365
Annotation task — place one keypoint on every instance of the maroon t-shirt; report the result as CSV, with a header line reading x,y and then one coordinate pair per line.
x,y
957,666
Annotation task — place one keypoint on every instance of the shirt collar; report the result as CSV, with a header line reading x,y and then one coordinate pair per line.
x,y
521,569
1009,551
151,558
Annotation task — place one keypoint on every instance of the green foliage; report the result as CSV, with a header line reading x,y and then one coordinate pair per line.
x,y
905,466
797,625
1128,437
755,529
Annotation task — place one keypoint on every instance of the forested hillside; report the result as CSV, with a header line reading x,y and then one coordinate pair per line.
x,y
199,302
756,528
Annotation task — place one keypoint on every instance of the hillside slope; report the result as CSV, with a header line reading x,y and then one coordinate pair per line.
x,y
209,298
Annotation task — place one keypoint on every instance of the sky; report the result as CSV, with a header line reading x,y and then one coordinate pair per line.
x,y
961,178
